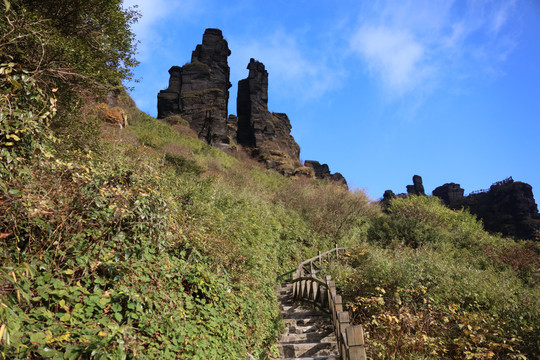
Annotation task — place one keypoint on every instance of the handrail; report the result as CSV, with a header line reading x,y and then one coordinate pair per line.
x,y
336,250
322,293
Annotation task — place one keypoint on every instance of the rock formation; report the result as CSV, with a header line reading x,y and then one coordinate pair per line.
x,y
267,135
449,193
199,91
387,198
323,172
417,188
508,207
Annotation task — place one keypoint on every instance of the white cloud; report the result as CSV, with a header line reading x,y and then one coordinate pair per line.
x,y
290,67
153,14
412,46
394,54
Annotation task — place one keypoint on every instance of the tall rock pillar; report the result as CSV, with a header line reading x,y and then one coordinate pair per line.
x,y
267,134
199,91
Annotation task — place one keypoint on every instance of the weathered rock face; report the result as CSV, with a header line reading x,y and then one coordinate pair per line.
x,y
450,193
267,135
417,188
199,91
323,172
508,207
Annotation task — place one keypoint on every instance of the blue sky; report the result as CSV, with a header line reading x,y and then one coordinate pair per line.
x,y
378,90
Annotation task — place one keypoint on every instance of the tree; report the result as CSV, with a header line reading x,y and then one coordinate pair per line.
x,y
75,46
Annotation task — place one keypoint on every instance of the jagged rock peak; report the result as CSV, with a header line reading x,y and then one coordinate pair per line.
x,y
323,172
268,135
507,207
199,91
417,188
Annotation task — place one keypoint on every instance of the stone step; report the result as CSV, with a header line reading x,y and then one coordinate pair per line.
x,y
306,337
303,350
325,357
307,329
301,314
314,321
309,333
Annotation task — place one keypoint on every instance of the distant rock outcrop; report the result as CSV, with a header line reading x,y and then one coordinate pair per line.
x,y
267,135
199,91
417,188
507,207
449,193
323,172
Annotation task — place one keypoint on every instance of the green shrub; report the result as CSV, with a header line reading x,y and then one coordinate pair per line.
x,y
331,209
421,220
431,283
25,113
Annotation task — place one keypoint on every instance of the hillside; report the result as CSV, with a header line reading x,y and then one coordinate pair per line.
x,y
124,236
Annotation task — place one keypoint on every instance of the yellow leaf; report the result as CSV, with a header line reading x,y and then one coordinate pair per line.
x,y
103,334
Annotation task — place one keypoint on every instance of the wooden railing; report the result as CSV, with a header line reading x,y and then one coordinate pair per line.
x,y
322,293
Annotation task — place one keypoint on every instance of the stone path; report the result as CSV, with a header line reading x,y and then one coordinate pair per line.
x,y
309,334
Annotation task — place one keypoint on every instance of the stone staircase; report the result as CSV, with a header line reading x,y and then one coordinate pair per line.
x,y
309,334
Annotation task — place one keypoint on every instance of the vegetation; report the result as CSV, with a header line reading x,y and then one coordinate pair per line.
x,y
144,242
430,283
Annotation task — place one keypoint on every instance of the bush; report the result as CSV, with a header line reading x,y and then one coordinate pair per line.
x,y
25,113
430,283
182,165
419,220
331,209
81,48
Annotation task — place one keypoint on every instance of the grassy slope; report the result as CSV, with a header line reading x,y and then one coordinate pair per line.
x,y
154,245
430,283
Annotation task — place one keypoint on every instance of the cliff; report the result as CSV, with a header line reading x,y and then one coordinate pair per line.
x,y
507,207
266,135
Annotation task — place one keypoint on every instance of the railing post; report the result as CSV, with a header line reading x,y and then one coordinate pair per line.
x,y
339,305
337,252
355,340
343,323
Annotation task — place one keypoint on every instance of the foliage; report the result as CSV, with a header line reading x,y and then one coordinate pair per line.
x,y
430,283
25,111
158,134
82,48
331,209
135,252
